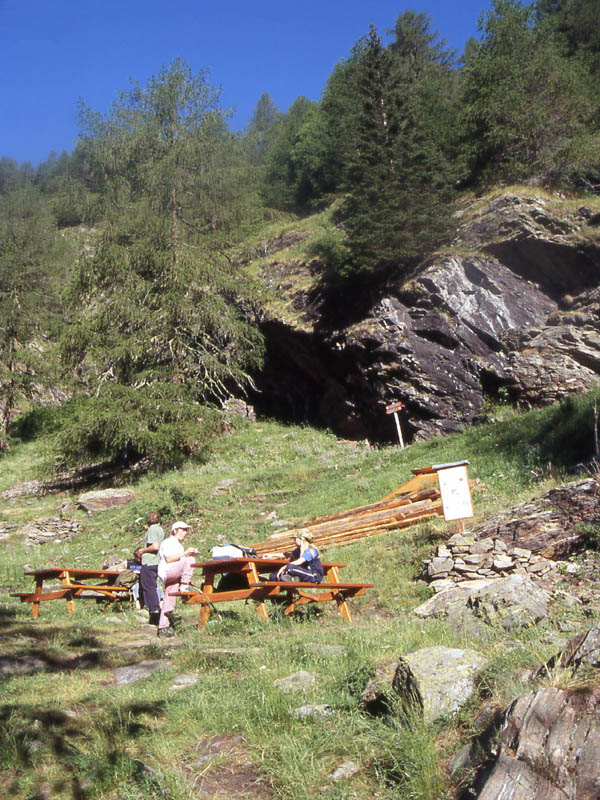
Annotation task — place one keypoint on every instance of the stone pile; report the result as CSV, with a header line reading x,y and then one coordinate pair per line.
x,y
464,558
50,530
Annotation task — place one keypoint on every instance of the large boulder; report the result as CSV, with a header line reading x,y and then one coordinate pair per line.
x,y
511,602
442,679
434,682
104,499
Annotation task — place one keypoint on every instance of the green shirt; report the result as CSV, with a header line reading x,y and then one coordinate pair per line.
x,y
154,535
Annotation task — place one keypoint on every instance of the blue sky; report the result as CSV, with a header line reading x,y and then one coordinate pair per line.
x,y
53,52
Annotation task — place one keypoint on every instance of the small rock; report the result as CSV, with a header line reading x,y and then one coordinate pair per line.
x,y
345,771
104,499
137,672
297,682
183,681
483,546
503,562
323,710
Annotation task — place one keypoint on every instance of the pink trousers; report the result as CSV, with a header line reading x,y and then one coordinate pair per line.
x,y
178,573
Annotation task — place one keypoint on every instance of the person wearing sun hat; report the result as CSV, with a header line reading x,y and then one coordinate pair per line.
x,y
175,571
306,562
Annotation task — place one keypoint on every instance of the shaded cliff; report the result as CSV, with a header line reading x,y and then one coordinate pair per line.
x,y
512,308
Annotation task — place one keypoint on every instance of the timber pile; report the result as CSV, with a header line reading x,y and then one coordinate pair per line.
x,y
415,501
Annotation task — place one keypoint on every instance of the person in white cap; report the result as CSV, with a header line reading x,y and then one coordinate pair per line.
x,y
175,571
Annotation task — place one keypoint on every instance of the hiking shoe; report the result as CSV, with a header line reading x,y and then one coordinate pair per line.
x,y
154,618
166,632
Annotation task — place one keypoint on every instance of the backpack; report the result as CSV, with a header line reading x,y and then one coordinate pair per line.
x,y
232,551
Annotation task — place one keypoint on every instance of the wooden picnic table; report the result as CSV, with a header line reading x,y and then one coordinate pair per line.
x,y
255,588
73,584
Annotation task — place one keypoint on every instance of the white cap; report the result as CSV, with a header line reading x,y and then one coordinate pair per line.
x,y
176,525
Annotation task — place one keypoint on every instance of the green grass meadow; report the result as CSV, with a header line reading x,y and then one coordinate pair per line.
x,y
70,731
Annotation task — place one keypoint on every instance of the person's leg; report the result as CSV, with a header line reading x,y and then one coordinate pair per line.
x,y
148,577
302,574
187,570
172,581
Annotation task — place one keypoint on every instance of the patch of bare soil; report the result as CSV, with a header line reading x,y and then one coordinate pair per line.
x,y
221,769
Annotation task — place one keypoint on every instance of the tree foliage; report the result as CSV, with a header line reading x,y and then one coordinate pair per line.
x,y
157,304
398,176
527,108
29,251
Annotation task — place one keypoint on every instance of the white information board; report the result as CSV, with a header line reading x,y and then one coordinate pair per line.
x,y
456,494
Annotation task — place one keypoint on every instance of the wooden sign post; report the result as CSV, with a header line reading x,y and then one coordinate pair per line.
x,y
393,408
454,487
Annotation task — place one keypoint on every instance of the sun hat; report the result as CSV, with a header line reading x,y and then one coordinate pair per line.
x,y
305,534
176,525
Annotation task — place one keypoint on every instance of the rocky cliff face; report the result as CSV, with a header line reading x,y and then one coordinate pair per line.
x,y
512,307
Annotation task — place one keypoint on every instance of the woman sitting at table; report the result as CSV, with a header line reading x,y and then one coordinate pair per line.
x,y
306,564
175,571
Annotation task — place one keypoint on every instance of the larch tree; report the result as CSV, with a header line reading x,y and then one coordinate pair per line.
x,y
158,324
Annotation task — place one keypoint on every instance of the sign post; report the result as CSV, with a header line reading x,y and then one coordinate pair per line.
x,y
393,408
454,487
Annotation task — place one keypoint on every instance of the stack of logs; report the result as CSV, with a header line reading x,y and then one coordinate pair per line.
x,y
415,501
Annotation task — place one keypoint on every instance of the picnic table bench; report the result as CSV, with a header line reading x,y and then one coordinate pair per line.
x,y
253,587
73,584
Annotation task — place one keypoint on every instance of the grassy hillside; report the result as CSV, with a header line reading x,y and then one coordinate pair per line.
x,y
69,731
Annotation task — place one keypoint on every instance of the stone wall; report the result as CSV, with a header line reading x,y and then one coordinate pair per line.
x,y
463,558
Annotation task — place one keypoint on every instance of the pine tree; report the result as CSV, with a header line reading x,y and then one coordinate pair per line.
x,y
528,109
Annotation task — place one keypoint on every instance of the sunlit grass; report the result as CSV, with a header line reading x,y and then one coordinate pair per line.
x,y
68,725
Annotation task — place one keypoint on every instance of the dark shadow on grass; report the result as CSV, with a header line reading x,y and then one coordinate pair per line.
x,y
89,744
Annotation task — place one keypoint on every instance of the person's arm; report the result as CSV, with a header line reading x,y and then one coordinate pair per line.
x,y
297,562
152,548
191,551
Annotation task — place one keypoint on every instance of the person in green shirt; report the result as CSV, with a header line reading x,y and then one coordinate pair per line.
x,y
149,572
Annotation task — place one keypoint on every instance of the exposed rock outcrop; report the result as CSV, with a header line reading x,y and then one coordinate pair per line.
x,y
552,525
547,747
515,306
511,602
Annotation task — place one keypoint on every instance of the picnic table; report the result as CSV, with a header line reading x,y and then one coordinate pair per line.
x,y
253,587
74,583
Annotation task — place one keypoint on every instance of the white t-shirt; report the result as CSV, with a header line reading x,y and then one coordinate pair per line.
x,y
170,546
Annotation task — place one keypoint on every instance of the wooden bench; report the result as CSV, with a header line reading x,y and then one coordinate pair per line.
x,y
301,592
252,587
292,594
72,586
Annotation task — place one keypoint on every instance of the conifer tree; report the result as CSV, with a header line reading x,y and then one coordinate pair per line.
x,y
398,178
157,322
29,287
528,109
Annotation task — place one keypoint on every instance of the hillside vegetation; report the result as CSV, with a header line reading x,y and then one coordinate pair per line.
x,y
69,730
138,277
123,287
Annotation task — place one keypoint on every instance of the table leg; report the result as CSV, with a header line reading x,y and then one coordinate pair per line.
x,y
35,608
343,607
66,581
261,608
205,607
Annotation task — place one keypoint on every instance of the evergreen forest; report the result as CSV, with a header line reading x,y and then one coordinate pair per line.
x,y
127,319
